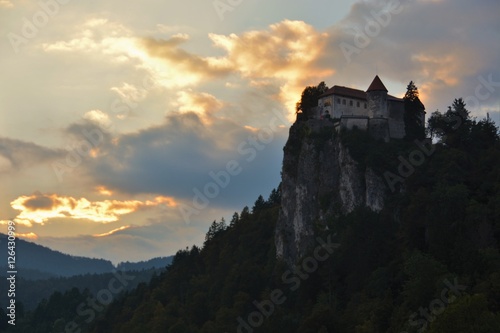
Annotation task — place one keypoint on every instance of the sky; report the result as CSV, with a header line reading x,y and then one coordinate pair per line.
x,y
127,128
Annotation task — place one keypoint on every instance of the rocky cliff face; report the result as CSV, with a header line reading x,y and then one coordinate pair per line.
x,y
320,179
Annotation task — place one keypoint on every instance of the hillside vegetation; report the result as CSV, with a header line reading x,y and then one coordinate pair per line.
x,y
429,261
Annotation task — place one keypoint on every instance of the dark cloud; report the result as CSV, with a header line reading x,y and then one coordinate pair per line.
x,y
39,201
16,155
177,157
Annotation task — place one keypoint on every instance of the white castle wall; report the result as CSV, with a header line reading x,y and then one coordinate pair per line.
x,y
338,106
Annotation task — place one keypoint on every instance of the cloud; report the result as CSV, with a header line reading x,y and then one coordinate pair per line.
x,y
6,4
288,51
25,223
16,155
164,59
98,117
30,235
103,191
201,103
183,153
419,41
39,208
114,231
160,237
184,67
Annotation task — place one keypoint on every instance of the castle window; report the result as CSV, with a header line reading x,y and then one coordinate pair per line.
x,y
365,105
350,103
343,101
338,100
357,104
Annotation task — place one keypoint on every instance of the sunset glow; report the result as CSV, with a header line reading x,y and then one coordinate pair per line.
x,y
118,116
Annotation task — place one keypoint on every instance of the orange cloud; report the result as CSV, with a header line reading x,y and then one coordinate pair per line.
x,y
103,190
39,208
112,231
288,51
17,222
30,235
167,63
200,103
6,4
169,201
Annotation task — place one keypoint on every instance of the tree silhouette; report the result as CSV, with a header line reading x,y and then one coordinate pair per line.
x,y
309,98
413,114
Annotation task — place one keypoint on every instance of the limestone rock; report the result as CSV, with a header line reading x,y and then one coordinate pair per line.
x,y
320,179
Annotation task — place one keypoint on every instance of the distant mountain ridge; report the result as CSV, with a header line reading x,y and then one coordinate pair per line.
x,y
31,256
159,262
36,262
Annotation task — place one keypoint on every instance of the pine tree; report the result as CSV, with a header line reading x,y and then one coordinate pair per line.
x,y
275,197
259,204
234,219
413,113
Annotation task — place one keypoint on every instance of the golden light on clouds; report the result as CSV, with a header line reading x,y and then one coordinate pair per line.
x,y
172,67
446,68
200,103
438,72
25,223
286,52
39,208
168,65
169,201
112,231
98,117
103,190
30,235
6,4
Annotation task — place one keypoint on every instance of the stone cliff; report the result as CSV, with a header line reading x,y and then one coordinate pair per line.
x,y
320,179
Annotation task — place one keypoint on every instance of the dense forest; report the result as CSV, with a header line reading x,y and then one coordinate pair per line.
x,y
429,261
30,293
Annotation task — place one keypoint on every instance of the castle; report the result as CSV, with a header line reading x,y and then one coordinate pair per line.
x,y
374,110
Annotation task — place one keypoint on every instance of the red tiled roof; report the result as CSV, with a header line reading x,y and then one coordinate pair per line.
x,y
345,91
376,85
360,94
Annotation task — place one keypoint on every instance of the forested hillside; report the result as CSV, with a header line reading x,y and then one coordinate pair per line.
x,y
428,261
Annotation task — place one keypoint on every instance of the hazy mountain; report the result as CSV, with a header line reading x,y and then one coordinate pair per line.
x,y
35,262
32,258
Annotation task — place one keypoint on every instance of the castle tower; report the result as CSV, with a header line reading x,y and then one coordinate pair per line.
x,y
377,99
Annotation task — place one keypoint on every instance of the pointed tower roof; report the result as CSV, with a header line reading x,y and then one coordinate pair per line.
x,y
376,85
